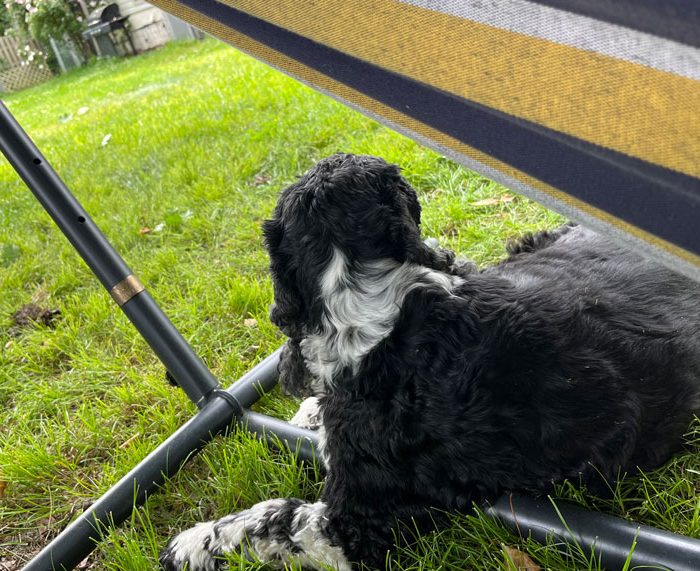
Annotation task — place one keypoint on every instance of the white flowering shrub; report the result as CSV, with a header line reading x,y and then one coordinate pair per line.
x,y
44,19
32,56
62,20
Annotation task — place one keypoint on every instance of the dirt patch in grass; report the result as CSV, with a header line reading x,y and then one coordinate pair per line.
x,y
28,543
31,313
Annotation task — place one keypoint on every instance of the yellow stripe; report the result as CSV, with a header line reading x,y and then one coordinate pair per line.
x,y
321,81
639,111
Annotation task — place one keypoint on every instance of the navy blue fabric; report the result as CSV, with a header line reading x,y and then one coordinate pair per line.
x,y
677,20
658,200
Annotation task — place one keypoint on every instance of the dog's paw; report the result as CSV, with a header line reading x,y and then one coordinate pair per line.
x,y
454,264
308,415
463,266
191,550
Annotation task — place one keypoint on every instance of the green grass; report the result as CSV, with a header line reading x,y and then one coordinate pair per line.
x,y
202,140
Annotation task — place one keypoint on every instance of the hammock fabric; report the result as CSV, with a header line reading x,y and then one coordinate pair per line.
x,y
592,107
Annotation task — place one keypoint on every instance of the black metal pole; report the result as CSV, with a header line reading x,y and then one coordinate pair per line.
x,y
79,539
170,347
611,538
299,440
218,408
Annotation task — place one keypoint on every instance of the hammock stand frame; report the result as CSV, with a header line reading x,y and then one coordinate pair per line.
x,y
610,538
219,409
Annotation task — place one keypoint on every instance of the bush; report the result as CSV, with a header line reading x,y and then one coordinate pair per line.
x,y
44,19
54,18
5,22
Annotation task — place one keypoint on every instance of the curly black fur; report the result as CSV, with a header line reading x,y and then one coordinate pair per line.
x,y
571,359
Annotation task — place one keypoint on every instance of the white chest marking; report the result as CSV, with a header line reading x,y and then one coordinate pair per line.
x,y
360,310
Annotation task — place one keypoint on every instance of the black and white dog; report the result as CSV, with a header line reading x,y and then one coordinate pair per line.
x,y
435,385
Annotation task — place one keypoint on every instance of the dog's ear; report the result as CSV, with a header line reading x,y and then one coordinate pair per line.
x,y
294,378
405,229
287,312
411,199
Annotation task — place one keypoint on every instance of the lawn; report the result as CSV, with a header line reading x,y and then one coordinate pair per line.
x,y
179,155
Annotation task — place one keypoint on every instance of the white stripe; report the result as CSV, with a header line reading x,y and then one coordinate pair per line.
x,y
561,27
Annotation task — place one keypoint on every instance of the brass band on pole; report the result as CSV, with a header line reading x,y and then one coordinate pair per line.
x,y
126,289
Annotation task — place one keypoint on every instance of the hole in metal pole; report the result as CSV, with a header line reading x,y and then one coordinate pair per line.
x,y
37,161
81,219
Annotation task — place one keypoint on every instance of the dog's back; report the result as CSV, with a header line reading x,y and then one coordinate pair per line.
x,y
601,303
604,280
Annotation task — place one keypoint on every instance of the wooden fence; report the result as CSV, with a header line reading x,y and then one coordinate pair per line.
x,y
13,74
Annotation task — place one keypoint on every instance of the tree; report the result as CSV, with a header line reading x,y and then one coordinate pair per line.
x,y
45,19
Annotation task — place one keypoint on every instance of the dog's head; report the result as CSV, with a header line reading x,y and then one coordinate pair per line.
x,y
360,205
